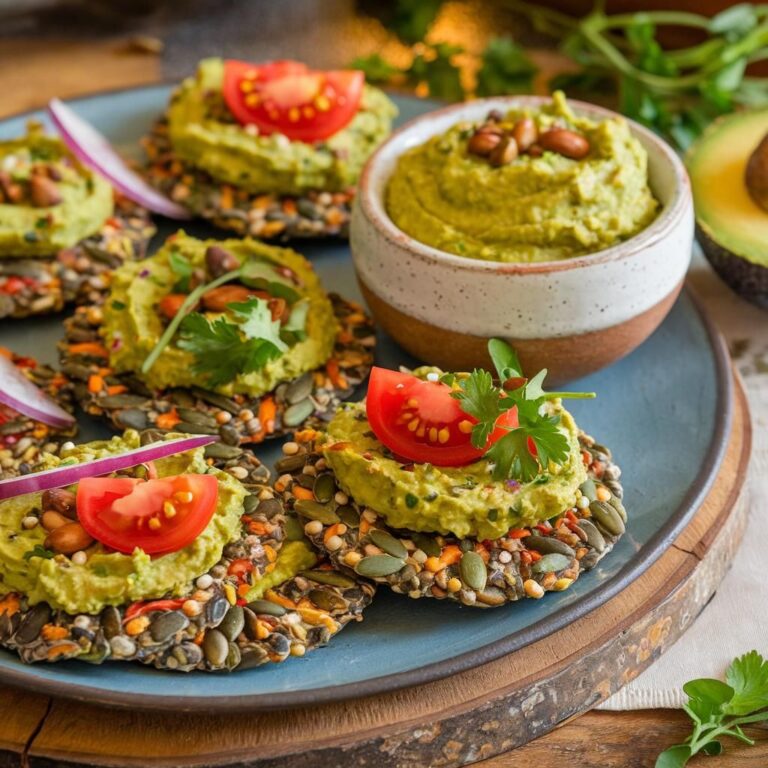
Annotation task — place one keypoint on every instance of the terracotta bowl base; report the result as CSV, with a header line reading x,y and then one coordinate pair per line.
x,y
565,357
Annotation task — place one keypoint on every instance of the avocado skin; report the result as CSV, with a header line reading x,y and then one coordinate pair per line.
x,y
747,279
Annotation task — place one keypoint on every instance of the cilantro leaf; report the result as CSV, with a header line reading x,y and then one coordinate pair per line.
x,y
436,69
511,457
505,68
375,68
183,270
505,359
255,321
296,328
219,349
551,444
479,397
39,551
748,676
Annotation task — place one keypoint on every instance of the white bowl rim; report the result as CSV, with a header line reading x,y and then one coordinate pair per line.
x,y
373,206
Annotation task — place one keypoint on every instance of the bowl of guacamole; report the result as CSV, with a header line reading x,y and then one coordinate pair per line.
x,y
557,225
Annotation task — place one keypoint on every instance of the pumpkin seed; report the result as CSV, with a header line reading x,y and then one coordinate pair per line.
x,y
133,418
217,400
387,542
267,608
324,487
552,562
349,516
165,625
222,451
293,529
195,429
315,511
122,401
594,537
290,463
300,389
376,566
473,571
547,544
491,596
197,417
589,489
12,427
426,544
607,518
269,508
233,623
33,623
233,657
297,413
327,601
331,578
615,502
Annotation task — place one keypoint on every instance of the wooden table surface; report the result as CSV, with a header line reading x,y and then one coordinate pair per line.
x,y
34,71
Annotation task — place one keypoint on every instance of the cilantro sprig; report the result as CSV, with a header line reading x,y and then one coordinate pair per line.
x,y
525,450
719,709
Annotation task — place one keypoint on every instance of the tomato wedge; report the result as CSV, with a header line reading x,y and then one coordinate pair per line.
x,y
158,516
289,98
420,421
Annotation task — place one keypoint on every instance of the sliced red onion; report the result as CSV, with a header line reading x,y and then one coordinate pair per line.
x,y
20,394
72,473
93,150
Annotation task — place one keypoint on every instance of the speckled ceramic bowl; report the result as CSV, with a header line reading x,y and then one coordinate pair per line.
x,y
572,316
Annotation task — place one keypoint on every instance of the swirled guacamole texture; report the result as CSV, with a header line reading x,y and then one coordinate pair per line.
x,y
205,135
133,325
107,577
533,209
29,229
465,501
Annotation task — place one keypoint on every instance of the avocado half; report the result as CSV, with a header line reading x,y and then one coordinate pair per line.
x,y
731,228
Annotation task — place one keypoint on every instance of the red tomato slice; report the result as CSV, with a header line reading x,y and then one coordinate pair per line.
x,y
420,421
158,516
289,98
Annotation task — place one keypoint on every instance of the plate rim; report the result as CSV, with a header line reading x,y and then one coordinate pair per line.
x,y
556,620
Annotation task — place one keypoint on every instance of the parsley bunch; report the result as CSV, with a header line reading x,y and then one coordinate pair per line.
x,y
525,450
719,709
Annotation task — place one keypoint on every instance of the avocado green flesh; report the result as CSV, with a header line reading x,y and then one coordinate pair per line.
x,y
113,578
86,198
132,325
532,209
465,501
232,153
725,212
293,557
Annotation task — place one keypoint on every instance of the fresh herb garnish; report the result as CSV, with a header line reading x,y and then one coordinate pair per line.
x,y
719,709
219,348
39,551
183,270
481,398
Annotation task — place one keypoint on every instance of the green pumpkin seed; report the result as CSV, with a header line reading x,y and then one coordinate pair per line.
x,y
217,400
315,511
615,502
349,516
547,544
324,487
473,571
388,543
222,451
594,537
293,529
607,518
122,401
375,566
297,413
133,418
331,578
326,600
197,417
426,544
267,608
551,562
195,429
291,463
300,389
589,489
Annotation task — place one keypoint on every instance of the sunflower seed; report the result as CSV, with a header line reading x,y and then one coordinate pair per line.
x,y
379,565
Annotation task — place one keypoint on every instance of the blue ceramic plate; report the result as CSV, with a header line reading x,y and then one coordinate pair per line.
x,y
665,411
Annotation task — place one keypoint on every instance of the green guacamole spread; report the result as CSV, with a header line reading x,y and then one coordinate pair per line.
x,y
132,324
28,228
465,501
293,557
112,578
204,134
533,209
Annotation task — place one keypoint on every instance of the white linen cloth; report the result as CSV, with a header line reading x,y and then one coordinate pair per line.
x,y
727,627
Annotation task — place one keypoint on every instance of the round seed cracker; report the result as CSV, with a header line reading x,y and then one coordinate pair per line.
x,y
75,275
267,216
127,403
210,627
526,563
23,439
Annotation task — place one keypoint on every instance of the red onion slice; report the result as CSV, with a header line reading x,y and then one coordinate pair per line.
x,y
71,473
20,394
93,150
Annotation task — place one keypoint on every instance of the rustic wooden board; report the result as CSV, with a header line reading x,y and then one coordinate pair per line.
x,y
460,720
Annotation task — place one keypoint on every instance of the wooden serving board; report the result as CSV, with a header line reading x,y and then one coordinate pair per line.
x,y
463,719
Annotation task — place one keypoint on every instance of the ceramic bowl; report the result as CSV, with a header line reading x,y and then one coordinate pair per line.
x,y
572,316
